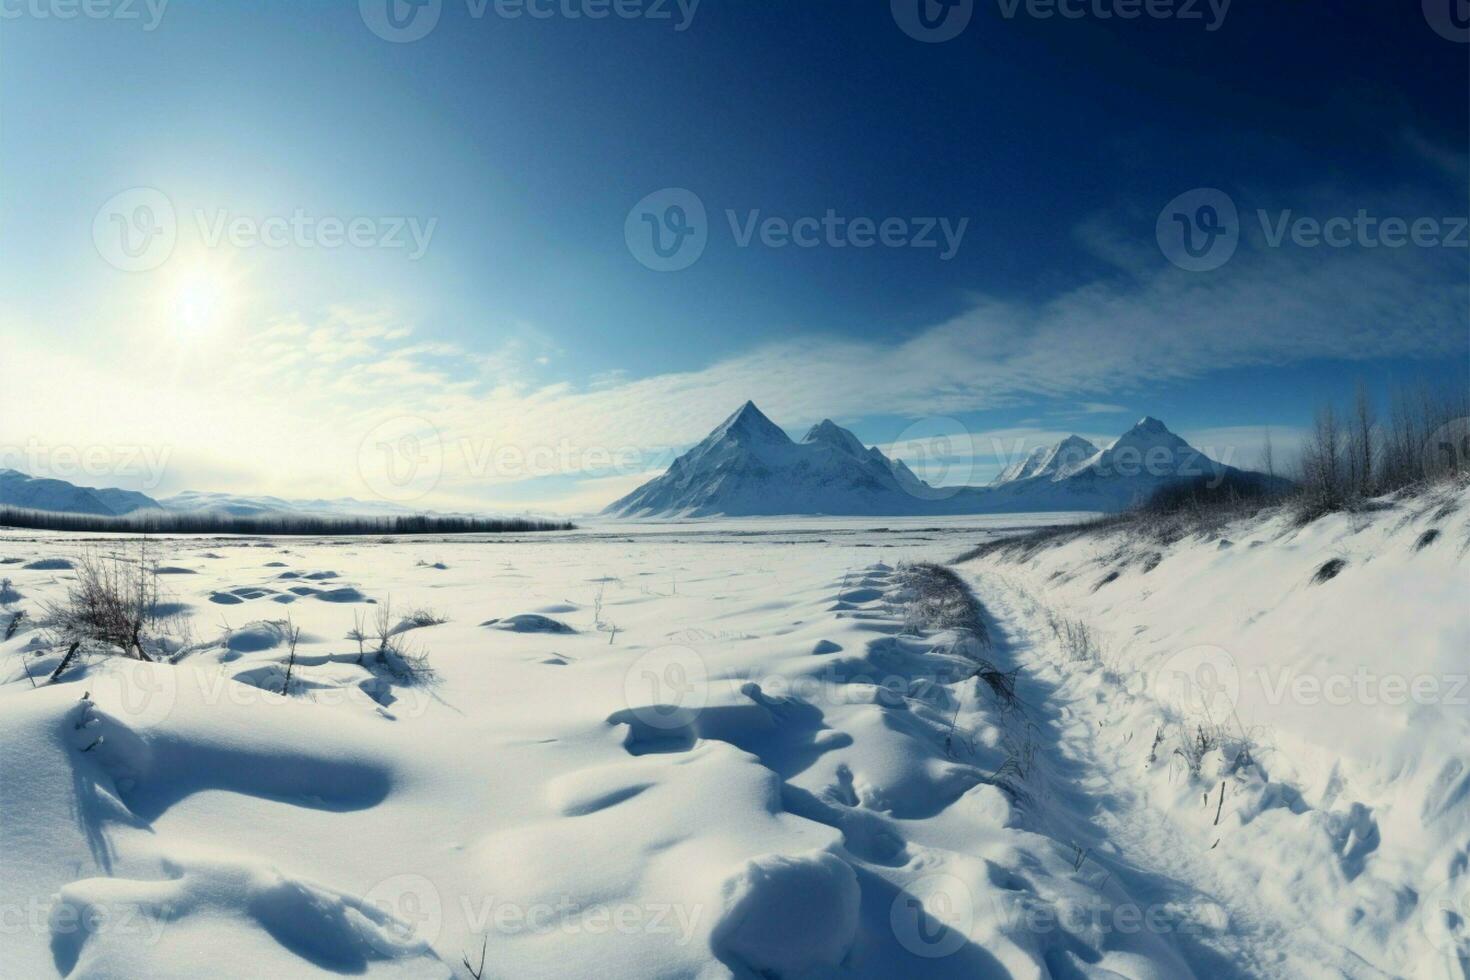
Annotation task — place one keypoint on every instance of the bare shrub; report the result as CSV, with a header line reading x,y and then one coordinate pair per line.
x,y
113,604
1080,641
420,618
359,634
1199,738
293,636
395,654
1329,570
1195,745
935,598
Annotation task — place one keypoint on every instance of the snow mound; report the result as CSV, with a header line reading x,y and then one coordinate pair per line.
x,y
254,637
787,914
529,623
223,919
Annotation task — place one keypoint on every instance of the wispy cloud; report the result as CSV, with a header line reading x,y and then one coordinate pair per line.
x,y
293,400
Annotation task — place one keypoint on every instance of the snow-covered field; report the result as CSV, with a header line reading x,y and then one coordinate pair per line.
x,y
754,748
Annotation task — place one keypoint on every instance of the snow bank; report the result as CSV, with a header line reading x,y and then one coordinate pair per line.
x,y
1309,734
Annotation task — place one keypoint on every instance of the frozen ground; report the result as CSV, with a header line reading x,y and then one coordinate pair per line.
x,y
732,748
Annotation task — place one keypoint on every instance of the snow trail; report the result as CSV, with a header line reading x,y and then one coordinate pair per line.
x,y
1100,787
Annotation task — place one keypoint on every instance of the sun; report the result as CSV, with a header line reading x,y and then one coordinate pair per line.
x,y
200,301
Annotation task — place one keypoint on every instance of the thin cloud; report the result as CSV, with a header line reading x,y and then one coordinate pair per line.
x,y
294,401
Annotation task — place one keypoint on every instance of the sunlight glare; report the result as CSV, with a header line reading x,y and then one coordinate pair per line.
x,y
200,299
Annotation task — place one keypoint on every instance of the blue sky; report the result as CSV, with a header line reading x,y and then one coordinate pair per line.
x,y
520,323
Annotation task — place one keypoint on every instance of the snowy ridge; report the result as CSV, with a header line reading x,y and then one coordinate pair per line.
x,y
748,467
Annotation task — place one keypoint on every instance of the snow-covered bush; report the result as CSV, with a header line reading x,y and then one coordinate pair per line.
x,y
112,604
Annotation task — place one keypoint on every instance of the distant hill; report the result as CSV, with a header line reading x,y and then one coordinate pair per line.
x,y
58,496
237,505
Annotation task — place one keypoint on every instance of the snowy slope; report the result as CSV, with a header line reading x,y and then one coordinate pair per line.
x,y
1325,669
39,493
748,466
834,435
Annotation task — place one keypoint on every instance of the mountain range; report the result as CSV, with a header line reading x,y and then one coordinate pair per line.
x,y
748,466
19,490
41,493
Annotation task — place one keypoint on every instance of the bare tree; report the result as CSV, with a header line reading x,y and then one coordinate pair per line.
x,y
395,654
1361,450
1322,461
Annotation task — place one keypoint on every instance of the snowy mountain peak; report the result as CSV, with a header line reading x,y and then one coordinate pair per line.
x,y
1056,462
750,424
1149,433
1150,425
749,466
829,433
1076,443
